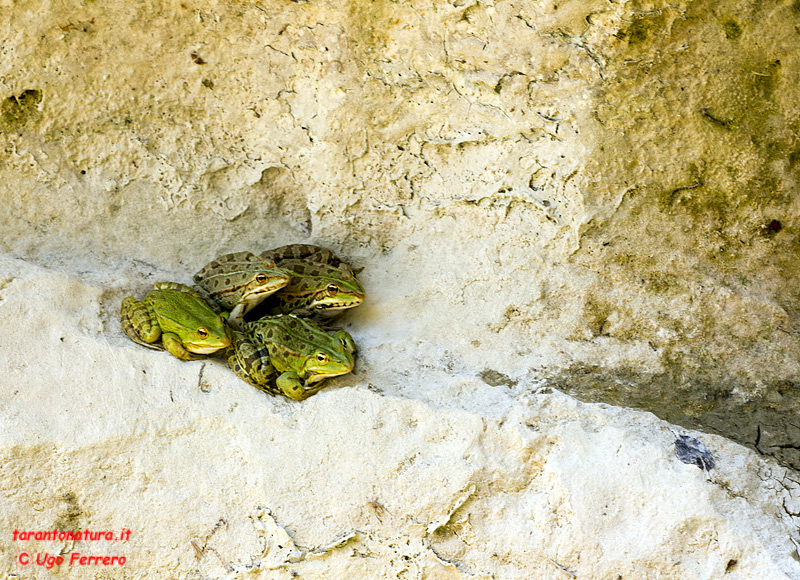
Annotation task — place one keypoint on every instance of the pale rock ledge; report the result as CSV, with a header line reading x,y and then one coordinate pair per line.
x,y
367,479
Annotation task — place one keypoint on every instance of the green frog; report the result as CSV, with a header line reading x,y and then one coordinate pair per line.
x,y
289,355
176,318
238,282
321,284
302,252
316,289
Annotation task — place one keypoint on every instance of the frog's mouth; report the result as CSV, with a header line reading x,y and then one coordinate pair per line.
x,y
337,305
317,377
265,290
205,349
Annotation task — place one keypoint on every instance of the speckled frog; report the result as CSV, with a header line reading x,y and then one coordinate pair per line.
x,y
320,285
174,317
306,252
238,282
289,355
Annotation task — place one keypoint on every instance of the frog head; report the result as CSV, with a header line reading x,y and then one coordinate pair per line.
x,y
240,279
206,337
320,288
326,363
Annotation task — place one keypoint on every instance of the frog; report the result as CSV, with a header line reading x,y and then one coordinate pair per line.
x,y
321,284
288,355
175,318
307,252
317,289
238,282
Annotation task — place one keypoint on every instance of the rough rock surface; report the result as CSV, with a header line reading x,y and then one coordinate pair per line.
x,y
591,198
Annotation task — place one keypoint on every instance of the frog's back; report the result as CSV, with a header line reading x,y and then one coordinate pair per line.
x,y
177,310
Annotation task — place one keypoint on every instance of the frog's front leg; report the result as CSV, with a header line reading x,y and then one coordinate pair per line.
x,y
249,363
139,322
235,318
174,346
290,385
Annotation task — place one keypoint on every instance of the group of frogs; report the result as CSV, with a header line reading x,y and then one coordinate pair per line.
x,y
287,294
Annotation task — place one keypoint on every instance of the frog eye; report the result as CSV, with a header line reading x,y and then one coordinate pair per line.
x,y
322,357
261,277
333,288
202,332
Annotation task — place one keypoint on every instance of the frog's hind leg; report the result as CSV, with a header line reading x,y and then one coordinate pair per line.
x,y
347,341
178,286
250,363
139,322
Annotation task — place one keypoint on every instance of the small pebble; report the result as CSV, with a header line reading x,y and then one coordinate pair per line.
x,y
691,450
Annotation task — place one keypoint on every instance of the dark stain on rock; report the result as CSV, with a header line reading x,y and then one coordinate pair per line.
x,y
496,379
727,124
710,404
70,515
17,110
794,158
773,227
732,29
642,26
766,80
